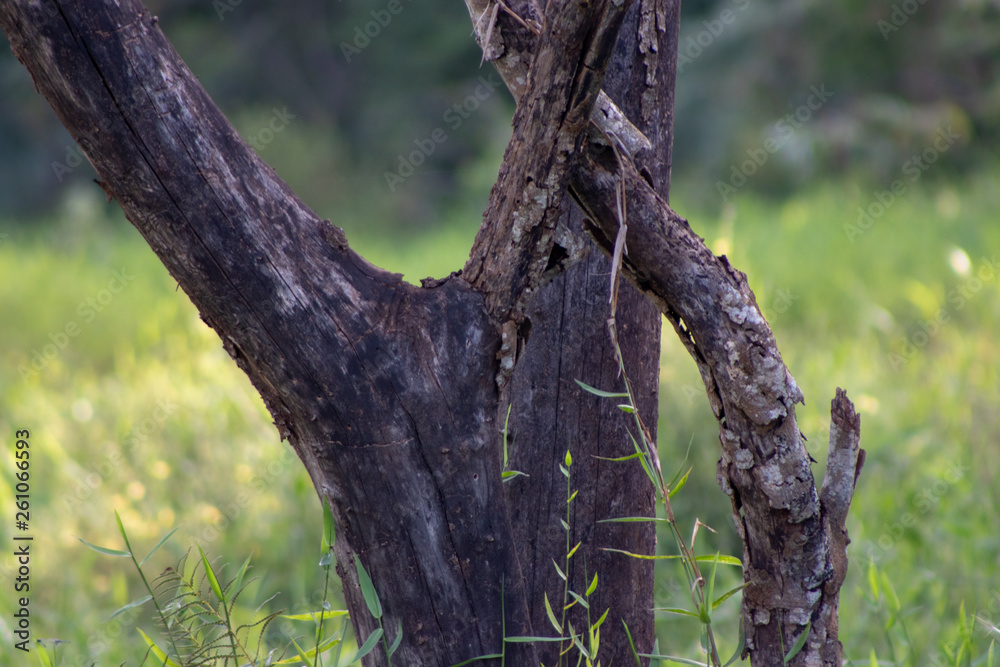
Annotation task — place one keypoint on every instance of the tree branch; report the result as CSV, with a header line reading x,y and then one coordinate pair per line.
x,y
511,251
385,390
790,557
508,45
794,552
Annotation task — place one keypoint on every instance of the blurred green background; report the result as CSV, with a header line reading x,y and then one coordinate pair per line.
x,y
866,223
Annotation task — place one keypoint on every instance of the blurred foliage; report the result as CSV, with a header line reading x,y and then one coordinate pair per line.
x,y
886,293
841,306
364,85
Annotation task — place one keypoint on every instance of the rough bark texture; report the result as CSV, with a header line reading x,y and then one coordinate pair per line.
x,y
389,392
385,390
791,554
789,550
569,341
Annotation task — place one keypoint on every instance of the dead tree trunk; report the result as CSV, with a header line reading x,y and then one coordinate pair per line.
x,y
568,341
389,393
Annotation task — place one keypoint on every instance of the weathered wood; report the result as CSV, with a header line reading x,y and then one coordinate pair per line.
x,y
512,248
569,341
385,390
789,552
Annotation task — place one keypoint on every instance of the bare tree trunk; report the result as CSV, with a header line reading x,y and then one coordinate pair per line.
x,y
569,341
390,394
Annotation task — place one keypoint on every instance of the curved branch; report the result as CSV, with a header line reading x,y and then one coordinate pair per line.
x,y
384,389
793,544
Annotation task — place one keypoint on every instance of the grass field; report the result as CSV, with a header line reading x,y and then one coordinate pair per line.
x,y
133,406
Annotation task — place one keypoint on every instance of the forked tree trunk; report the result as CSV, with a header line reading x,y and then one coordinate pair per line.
x,y
392,394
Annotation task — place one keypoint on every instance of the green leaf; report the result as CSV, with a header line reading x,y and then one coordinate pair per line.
x,y
157,651
369,644
989,654
327,559
634,519
491,656
573,550
626,408
506,476
635,653
43,655
799,643
674,490
873,580
213,581
302,656
677,610
572,496
558,571
728,594
131,605
890,594
121,529
528,640
158,545
329,530
601,620
593,586
723,560
315,615
670,658
328,644
711,585
619,458
569,459
398,639
552,617
598,392
238,581
105,550
368,589
578,598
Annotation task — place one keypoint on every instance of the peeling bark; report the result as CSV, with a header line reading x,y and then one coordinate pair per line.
x,y
390,393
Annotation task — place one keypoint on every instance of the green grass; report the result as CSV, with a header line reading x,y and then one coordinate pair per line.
x,y
142,412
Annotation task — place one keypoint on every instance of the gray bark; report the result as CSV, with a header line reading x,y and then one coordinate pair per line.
x,y
390,393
